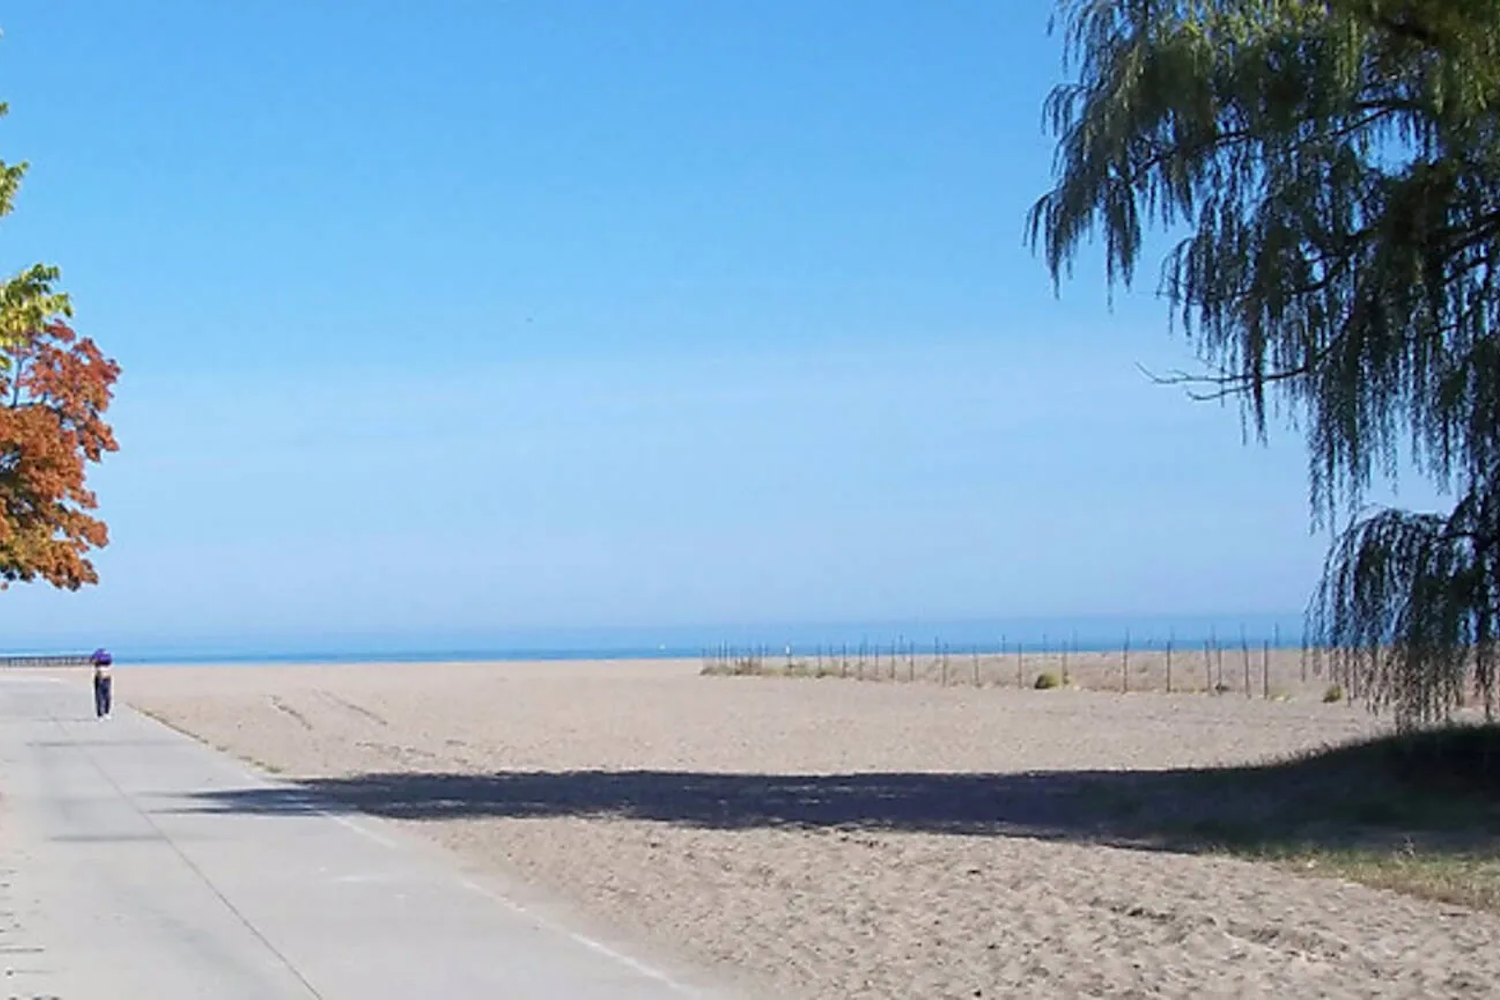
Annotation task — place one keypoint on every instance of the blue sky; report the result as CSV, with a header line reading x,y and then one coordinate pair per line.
x,y
501,316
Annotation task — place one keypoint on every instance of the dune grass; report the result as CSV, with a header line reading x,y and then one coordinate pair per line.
x,y
1417,813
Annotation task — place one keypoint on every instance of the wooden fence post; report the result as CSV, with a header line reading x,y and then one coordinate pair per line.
x,y
1265,671
1169,661
1245,650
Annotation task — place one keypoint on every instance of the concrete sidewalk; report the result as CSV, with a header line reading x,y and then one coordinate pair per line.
x,y
118,882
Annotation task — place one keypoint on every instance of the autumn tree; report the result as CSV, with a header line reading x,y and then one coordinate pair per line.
x,y
1332,168
54,390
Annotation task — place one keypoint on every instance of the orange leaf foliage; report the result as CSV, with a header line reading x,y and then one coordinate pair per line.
x,y
54,390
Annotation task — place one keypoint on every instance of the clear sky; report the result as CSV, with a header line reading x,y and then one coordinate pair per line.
x,y
485,315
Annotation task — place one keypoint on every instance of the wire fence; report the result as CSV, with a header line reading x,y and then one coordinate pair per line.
x,y
1243,668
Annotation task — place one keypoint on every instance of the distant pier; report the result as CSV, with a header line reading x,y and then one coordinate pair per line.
x,y
46,660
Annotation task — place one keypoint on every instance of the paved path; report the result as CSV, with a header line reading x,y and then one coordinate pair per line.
x,y
118,880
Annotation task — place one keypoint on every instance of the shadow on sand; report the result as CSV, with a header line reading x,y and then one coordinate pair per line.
x,y
1374,793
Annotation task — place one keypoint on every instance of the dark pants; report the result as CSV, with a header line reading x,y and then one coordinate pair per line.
x,y
101,696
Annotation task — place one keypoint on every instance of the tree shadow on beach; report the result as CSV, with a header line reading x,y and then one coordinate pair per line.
x,y
1378,793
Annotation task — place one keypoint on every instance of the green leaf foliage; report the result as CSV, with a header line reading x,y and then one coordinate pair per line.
x,y
1335,168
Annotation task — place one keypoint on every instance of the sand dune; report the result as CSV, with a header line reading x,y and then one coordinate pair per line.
x,y
845,839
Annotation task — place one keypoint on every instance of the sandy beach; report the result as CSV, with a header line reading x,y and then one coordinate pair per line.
x,y
842,839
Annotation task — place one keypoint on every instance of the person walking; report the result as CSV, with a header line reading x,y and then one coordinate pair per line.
x,y
103,696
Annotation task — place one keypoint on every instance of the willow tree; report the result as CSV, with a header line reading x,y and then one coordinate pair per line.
x,y
1331,170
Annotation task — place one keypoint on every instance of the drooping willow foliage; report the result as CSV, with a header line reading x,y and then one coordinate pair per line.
x,y
1336,166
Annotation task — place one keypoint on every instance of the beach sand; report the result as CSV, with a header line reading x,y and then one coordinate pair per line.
x,y
841,839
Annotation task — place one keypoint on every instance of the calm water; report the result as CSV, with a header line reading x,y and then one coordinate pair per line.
x,y
1034,634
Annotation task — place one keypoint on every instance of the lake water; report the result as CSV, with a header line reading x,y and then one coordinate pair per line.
x,y
1084,633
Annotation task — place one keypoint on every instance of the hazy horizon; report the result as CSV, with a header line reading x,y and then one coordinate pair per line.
x,y
1082,632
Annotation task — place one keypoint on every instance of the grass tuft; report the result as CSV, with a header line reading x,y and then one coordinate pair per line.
x,y
1418,813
